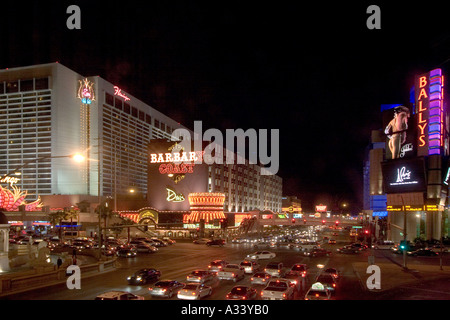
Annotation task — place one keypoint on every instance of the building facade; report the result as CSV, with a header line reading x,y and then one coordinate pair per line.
x,y
50,112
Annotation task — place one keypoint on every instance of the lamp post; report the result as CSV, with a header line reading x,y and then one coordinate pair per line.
x,y
76,157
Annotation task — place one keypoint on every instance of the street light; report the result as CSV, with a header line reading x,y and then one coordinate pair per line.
x,y
76,157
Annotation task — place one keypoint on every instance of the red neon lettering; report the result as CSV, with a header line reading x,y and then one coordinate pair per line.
x,y
118,92
422,141
420,119
422,93
422,128
420,106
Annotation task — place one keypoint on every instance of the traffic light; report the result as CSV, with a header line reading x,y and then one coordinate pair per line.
x,y
366,231
304,221
293,220
337,222
403,245
323,221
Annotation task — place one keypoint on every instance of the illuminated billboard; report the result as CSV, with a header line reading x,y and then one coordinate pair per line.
x,y
321,208
400,130
430,112
404,175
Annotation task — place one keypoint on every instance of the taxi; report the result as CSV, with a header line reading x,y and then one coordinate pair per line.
x,y
318,292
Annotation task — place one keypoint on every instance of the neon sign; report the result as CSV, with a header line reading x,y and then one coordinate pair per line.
x,y
11,180
173,196
175,157
86,91
430,115
118,92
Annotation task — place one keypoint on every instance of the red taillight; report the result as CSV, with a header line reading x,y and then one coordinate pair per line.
x,y
251,279
262,293
334,285
317,294
150,289
284,295
232,274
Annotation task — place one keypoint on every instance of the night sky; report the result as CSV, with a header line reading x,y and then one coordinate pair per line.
x,y
314,71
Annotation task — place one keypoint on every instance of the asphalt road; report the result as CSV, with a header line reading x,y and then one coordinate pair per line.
x,y
178,260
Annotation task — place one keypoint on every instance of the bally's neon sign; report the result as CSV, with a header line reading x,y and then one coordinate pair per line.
x,y
430,115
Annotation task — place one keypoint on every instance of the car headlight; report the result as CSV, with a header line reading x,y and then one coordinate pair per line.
x,y
128,278
139,278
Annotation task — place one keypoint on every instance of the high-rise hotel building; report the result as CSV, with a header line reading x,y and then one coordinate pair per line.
x,y
49,111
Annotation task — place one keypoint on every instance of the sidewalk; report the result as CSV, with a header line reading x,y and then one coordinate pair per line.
x,y
393,275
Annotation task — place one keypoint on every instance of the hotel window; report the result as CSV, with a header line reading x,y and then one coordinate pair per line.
x,y
26,85
126,108
41,84
157,123
141,115
118,104
109,99
134,112
148,119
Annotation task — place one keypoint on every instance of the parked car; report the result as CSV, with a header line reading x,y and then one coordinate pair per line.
x,y
144,276
383,245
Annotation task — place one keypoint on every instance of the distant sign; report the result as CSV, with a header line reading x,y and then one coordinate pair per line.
x,y
321,208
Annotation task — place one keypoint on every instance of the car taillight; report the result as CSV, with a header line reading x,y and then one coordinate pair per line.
x,y
262,293
284,295
193,293
150,289
251,279
243,298
334,285
232,274
317,294
164,290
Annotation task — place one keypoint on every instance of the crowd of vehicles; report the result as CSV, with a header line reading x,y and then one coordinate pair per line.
x,y
269,277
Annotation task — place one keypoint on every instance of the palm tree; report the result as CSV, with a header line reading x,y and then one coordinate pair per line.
x,y
71,213
57,218
105,212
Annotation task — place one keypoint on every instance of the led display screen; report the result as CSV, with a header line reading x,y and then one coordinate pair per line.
x,y
404,175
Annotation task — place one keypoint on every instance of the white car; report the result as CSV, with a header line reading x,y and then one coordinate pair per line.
x,y
261,255
194,291
118,295
250,266
384,245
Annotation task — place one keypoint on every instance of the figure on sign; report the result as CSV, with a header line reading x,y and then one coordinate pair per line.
x,y
396,130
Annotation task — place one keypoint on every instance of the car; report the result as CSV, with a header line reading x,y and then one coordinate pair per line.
x,y
285,245
217,265
332,241
307,245
294,278
260,278
201,241
118,295
242,293
422,253
159,242
437,248
169,241
348,250
200,276
166,288
238,240
194,291
328,280
250,266
383,245
232,272
261,245
144,276
126,253
334,272
319,252
279,289
275,269
318,292
359,246
299,269
259,255
145,248
216,242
